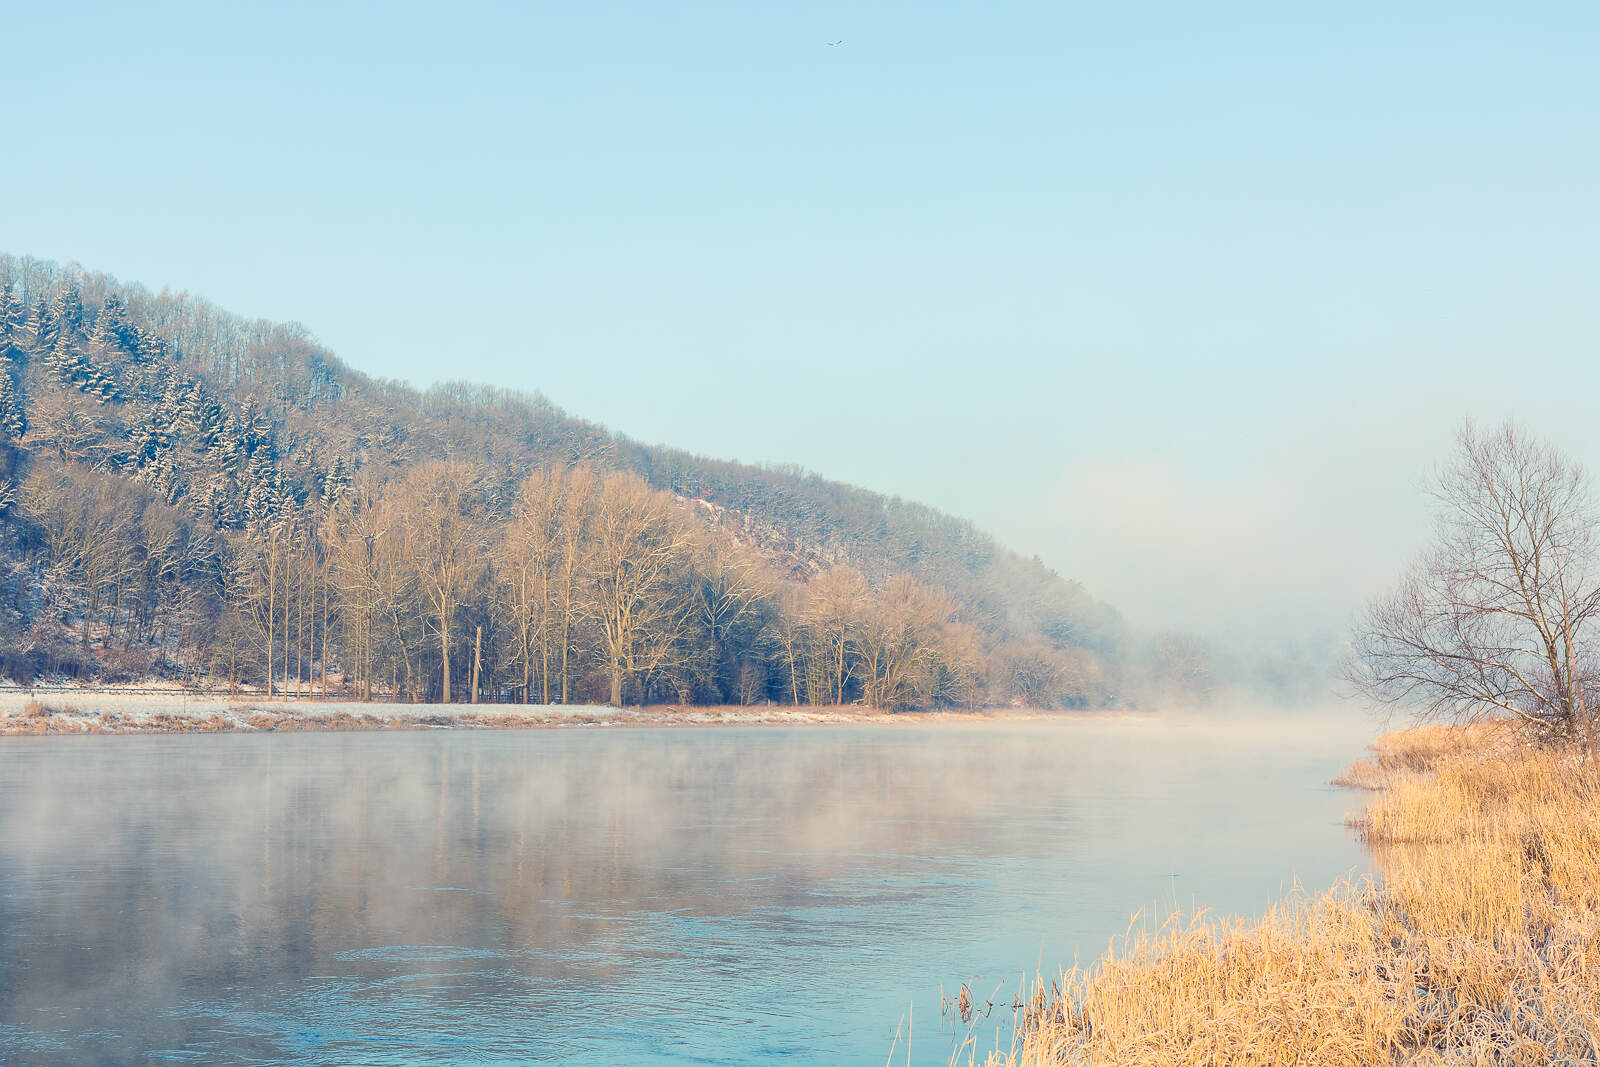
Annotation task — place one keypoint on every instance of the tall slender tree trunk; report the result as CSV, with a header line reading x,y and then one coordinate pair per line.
x,y
544,639
325,629
1575,702
284,696
566,648
272,606
1588,734
571,565
477,663
299,636
794,675
444,649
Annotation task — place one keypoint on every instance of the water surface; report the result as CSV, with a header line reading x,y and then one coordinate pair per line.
x,y
619,896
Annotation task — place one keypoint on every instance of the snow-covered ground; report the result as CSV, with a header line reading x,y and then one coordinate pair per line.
x,y
69,710
142,702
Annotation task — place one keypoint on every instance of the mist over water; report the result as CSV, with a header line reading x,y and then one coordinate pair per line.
x,y
629,896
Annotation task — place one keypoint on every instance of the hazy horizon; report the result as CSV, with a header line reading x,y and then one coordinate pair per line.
x,y
1185,306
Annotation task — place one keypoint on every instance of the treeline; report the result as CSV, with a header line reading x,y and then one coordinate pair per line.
x,y
186,491
579,586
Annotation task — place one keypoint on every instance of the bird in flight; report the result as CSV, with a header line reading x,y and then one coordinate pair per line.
x,y
835,44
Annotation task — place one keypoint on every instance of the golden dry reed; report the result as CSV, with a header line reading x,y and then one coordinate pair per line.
x,y
1479,944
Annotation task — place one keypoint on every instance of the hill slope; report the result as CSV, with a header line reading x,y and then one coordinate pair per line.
x,y
168,465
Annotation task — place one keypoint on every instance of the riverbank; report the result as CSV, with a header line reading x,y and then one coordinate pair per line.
x,y
1479,945
70,711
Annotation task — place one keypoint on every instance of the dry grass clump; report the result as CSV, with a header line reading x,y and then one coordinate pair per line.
x,y
1362,774
33,709
1480,946
36,717
1306,984
1422,749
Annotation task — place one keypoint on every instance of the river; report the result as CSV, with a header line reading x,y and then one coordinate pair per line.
x,y
618,896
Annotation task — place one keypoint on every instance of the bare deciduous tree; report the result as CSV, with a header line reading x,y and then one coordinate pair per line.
x,y
541,561
727,587
356,531
260,568
446,544
639,546
528,562
894,645
833,607
1497,616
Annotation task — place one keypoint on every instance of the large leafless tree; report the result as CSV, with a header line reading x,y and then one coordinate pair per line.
x,y
1498,616
639,547
446,544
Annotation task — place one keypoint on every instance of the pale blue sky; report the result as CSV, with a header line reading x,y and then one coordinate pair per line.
x,y
1183,298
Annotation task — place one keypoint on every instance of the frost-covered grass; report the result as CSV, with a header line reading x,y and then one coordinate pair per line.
x,y
1479,946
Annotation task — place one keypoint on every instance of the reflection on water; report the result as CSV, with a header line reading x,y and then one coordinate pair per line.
x,y
625,896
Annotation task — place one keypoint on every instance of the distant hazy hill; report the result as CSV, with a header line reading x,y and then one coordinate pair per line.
x,y
229,426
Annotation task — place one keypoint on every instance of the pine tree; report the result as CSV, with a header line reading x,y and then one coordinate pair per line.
x,y
205,417
34,337
13,423
228,454
167,480
64,361
255,429
336,482
260,492
220,498
144,345
145,442
66,315
170,409
105,338
12,317
100,384
285,501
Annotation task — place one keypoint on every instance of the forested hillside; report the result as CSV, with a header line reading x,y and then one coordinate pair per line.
x,y
187,493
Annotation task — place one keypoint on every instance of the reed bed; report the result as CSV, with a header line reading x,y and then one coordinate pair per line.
x,y
1479,945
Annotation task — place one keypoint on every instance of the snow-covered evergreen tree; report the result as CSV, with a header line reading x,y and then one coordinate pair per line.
x,y
335,482
105,340
34,337
13,422
202,418
100,383
65,360
66,315
12,317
